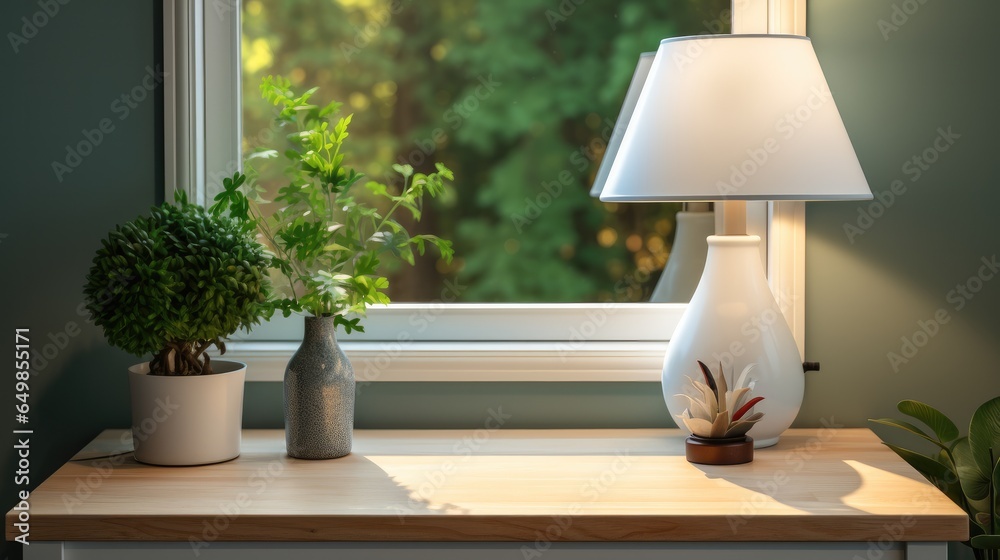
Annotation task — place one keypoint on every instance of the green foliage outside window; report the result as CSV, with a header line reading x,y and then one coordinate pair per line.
x,y
517,97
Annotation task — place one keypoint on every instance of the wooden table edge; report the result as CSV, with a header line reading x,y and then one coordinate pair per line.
x,y
485,528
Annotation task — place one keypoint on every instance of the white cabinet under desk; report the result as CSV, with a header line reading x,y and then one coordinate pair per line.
x,y
498,494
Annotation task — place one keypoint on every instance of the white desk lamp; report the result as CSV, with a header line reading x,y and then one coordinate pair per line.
x,y
733,118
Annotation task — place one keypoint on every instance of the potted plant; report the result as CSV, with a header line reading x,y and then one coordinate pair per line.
x,y
966,469
719,418
174,284
328,235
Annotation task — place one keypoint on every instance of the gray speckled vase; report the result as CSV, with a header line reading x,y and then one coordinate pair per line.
x,y
319,395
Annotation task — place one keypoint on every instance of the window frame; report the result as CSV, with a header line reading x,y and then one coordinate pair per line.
x,y
441,341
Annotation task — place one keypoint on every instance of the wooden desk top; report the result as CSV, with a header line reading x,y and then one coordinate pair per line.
x,y
506,485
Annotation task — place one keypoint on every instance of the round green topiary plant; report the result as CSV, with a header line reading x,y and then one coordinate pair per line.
x,y
177,282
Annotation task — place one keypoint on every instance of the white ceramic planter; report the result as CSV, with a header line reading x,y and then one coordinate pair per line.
x,y
190,419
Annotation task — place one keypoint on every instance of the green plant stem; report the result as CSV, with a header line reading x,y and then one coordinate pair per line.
x,y
329,191
266,230
969,510
329,202
406,187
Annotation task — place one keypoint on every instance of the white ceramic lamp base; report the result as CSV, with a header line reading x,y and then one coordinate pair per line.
x,y
734,319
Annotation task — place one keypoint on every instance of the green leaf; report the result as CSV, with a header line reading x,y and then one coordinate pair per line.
x,y
907,427
330,109
405,170
986,542
932,470
445,172
942,426
974,482
951,484
376,188
996,494
984,435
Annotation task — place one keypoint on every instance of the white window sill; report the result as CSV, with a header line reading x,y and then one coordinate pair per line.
x,y
616,361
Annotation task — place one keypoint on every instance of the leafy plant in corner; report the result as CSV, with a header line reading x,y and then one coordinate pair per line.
x,y
327,241
716,412
177,282
966,469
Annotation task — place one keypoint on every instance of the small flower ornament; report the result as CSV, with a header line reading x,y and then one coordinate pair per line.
x,y
716,412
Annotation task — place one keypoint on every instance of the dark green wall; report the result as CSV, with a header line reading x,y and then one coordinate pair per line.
x,y
63,81
936,70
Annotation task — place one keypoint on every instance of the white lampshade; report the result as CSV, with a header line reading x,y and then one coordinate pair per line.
x,y
624,116
735,117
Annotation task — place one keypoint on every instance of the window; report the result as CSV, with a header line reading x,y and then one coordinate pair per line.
x,y
518,98
436,339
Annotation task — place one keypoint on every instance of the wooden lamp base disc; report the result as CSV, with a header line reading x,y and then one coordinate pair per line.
x,y
732,451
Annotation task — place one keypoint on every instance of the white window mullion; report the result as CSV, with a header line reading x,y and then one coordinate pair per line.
x,y
201,58
183,99
787,17
786,265
750,16
223,107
